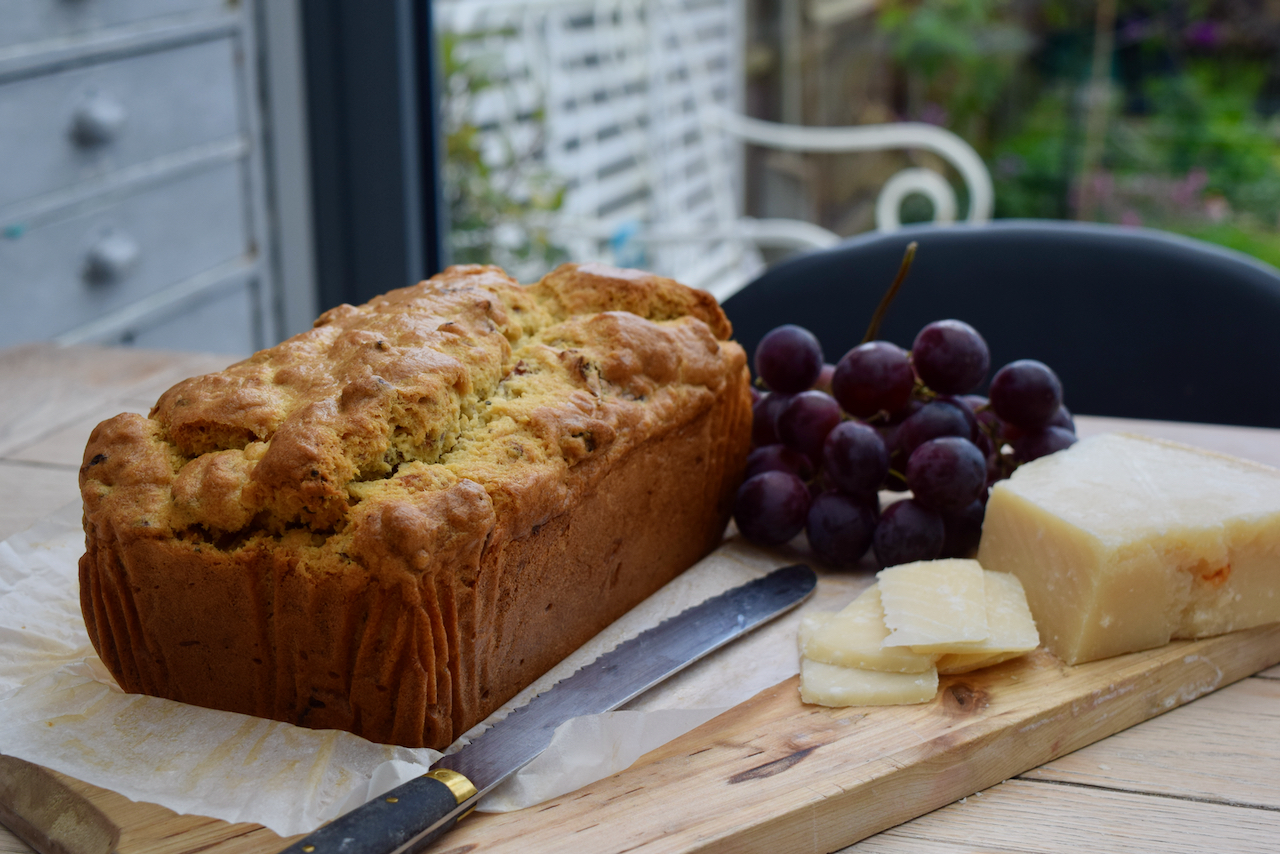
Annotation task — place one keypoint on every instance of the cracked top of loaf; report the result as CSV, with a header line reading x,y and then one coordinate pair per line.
x,y
465,405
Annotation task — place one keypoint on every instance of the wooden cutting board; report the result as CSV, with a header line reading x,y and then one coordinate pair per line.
x,y
774,775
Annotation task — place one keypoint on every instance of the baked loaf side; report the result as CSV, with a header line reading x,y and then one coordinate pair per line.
x,y
392,523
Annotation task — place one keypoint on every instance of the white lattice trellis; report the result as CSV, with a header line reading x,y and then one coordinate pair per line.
x,y
612,97
634,104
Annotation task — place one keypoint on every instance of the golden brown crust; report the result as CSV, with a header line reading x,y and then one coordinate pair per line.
x,y
393,522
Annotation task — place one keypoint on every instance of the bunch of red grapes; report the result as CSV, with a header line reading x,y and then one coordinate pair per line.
x,y
827,440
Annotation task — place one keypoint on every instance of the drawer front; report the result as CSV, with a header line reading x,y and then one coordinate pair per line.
x,y
65,273
84,122
223,324
39,20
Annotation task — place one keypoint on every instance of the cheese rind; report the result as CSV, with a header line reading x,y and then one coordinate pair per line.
x,y
832,685
854,637
930,605
1123,543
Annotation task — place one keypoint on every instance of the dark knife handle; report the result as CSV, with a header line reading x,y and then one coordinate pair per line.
x,y
404,820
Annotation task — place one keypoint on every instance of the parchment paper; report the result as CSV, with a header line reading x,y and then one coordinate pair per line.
x,y
61,709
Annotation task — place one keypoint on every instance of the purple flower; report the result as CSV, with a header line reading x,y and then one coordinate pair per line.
x,y
934,114
1202,34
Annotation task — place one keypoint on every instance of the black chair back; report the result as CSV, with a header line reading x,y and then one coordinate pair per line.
x,y
1137,323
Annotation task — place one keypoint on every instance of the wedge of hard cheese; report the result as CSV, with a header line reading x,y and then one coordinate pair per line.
x,y
1123,543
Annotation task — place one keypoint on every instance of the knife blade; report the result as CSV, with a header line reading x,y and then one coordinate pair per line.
x,y
412,815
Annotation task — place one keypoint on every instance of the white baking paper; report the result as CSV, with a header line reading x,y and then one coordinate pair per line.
x,y
61,709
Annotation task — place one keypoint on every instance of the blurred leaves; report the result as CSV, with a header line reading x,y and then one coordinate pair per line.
x,y
1189,145
497,190
958,53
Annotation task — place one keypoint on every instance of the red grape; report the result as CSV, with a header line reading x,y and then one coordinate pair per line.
x,y
947,474
854,458
771,507
934,419
962,404
1026,393
963,530
823,382
764,418
778,458
1035,444
950,357
908,532
789,359
912,406
873,377
806,420
811,465
1062,418
840,527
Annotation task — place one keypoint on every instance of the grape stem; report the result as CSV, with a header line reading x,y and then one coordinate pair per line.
x,y
883,308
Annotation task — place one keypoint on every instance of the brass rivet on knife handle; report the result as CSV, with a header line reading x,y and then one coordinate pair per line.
x,y
461,787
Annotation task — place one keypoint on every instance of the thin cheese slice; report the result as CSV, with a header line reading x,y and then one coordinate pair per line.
x,y
832,685
1124,542
1010,627
854,636
931,605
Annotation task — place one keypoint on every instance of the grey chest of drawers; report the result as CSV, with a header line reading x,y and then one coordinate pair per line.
x,y
132,193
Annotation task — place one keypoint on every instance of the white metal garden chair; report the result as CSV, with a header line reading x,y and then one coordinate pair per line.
x,y
640,110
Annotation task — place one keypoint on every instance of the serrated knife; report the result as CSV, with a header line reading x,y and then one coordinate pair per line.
x,y
407,818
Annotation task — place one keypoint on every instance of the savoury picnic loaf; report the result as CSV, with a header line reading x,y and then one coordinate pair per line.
x,y
392,523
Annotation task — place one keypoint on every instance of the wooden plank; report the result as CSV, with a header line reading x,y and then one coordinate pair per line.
x,y
45,388
152,829
64,445
773,774
53,398
1196,751
87,375
1022,815
10,844
1250,443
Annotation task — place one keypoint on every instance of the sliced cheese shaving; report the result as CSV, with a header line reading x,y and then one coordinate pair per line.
x,y
854,637
1010,626
832,685
931,605
854,657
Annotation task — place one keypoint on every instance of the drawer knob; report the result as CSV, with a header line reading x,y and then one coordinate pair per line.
x,y
97,121
111,258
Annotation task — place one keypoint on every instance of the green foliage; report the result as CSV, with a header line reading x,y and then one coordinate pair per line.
x,y
960,55
498,192
1027,169
1205,119
1185,147
1251,240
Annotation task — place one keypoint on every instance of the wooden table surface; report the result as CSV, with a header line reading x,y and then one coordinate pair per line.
x,y
1205,776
